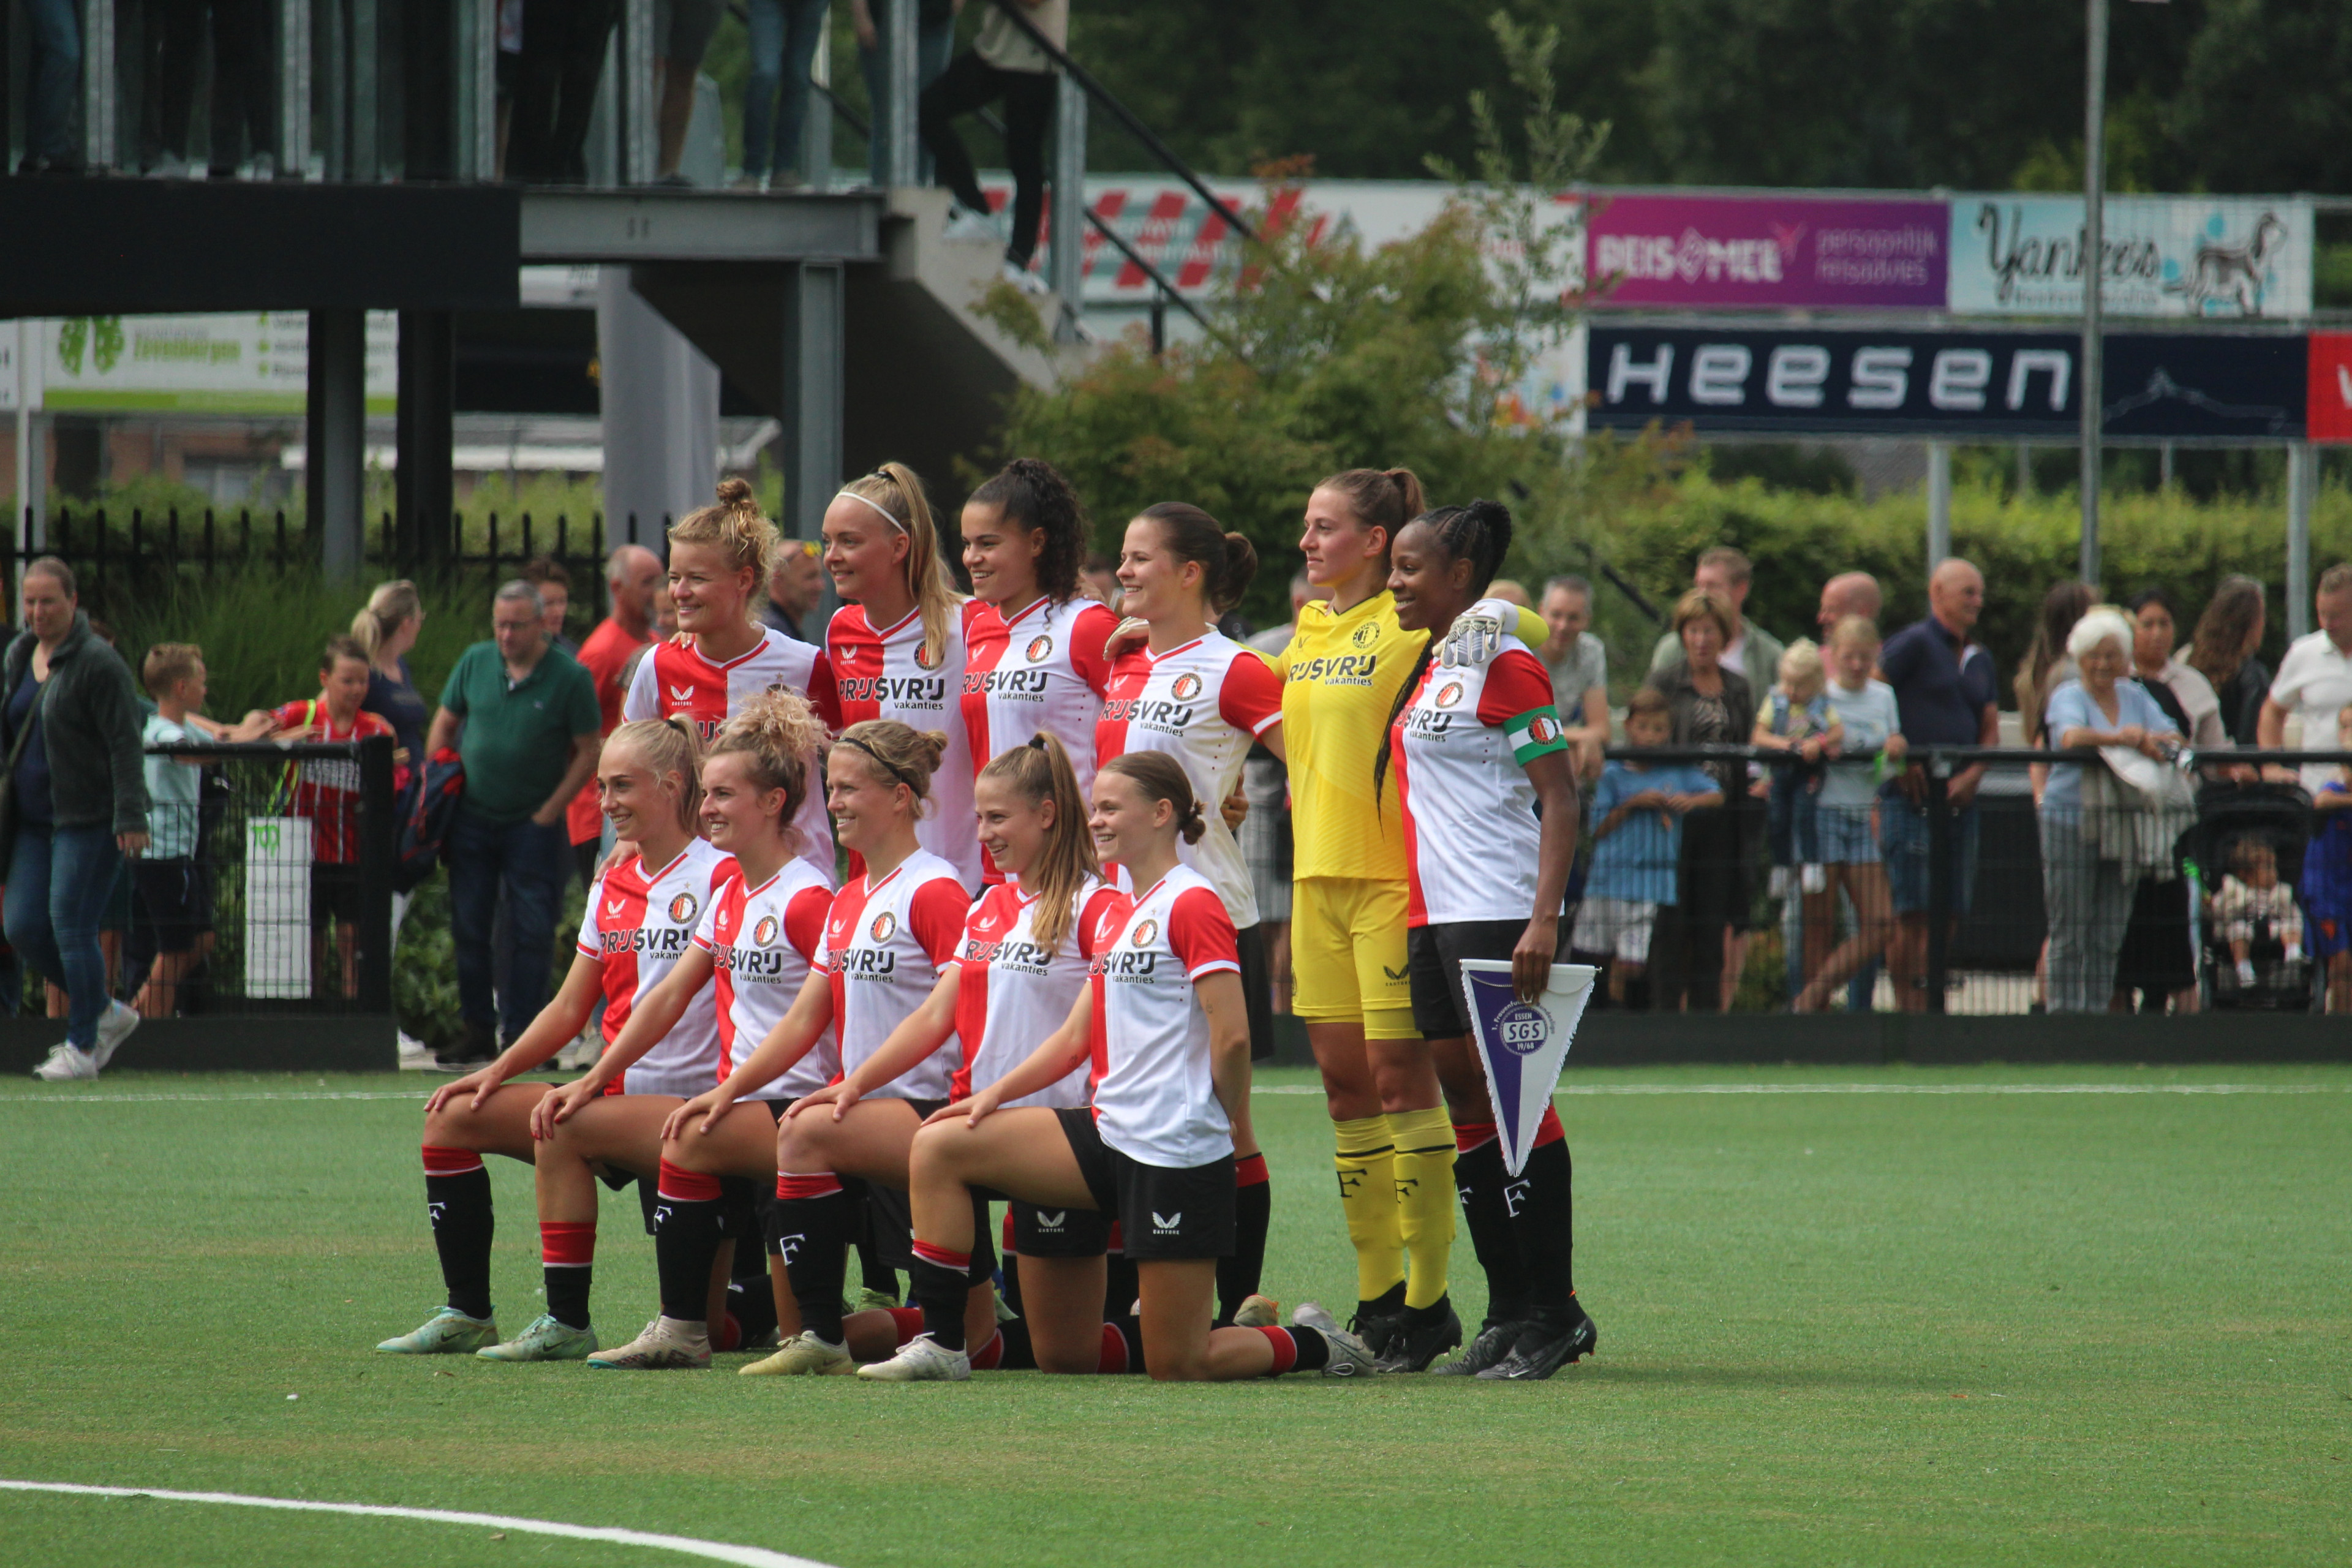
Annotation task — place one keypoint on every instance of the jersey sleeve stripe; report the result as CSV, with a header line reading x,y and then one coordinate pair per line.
x,y
1213,966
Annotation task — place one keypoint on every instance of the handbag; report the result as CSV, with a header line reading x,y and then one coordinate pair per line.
x,y
8,777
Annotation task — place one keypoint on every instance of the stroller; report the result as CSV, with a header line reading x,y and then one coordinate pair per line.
x,y
2228,817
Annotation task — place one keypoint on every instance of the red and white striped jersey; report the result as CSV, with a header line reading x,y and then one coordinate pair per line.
x,y
673,680
1203,704
1043,669
887,674
884,948
1155,1096
761,942
1458,752
1011,993
638,925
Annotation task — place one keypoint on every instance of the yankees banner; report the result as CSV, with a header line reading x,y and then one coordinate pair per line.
x,y
1522,1045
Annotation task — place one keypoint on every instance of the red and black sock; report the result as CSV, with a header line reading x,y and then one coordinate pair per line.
x,y
1297,1349
457,1201
815,1223
685,1240
1543,1214
1238,1275
941,1281
1480,1178
567,1255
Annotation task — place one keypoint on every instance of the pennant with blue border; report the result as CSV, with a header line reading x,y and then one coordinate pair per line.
x,y
1522,1045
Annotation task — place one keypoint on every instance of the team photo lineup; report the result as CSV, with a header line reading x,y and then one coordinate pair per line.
x,y
1042,979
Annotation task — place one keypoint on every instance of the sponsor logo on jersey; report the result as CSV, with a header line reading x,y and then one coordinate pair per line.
x,y
681,694
1449,694
615,909
903,690
1167,718
1542,732
1124,963
1167,1224
1019,957
1366,635
884,925
1337,670
1185,687
1144,932
1040,648
1428,724
764,933
1010,683
865,963
683,909
667,942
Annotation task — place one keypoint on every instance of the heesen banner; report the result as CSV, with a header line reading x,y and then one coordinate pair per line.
x,y
1956,386
2207,257
1766,252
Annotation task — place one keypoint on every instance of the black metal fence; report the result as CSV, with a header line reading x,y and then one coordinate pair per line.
x,y
1935,888
267,885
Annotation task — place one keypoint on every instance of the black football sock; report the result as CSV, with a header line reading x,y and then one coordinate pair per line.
x,y
1297,1349
1238,1275
567,1254
458,1202
812,1221
1389,1303
1544,1221
1480,1177
685,1241
1121,1289
873,1273
940,1282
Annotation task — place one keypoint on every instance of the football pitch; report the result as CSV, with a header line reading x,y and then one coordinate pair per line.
x,y
1992,1315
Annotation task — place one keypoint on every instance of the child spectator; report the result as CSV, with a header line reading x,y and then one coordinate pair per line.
x,y
328,792
2327,877
1638,808
1797,716
2252,895
171,891
1868,728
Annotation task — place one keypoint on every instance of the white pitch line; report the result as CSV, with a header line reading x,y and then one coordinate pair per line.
x,y
1652,1089
716,1550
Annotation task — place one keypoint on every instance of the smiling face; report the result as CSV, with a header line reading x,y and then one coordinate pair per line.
x,y
1569,613
708,595
1000,556
737,814
1012,827
1156,585
344,685
1127,827
867,556
1336,544
868,805
632,797
2102,666
1430,588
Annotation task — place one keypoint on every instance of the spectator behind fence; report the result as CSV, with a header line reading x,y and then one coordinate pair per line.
x,y
2223,650
1848,594
530,731
1004,64
2313,682
385,630
2163,673
2158,963
1725,576
1578,667
2046,666
1638,808
2087,886
1869,728
171,886
327,791
564,46
1947,693
1711,704
547,574
2253,898
796,585
2327,884
632,577
784,37
75,805
1795,716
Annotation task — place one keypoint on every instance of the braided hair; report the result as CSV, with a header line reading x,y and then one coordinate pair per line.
x,y
1032,493
1479,534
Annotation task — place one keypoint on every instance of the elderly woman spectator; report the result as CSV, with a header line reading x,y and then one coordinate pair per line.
x,y
1711,704
2087,890
2222,650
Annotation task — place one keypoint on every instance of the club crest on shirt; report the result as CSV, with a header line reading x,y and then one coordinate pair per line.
x,y
924,657
1366,635
764,933
1449,694
1144,932
1184,688
1039,647
1542,732
683,909
884,924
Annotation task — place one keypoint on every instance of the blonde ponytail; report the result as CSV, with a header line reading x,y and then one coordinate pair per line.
x,y
897,491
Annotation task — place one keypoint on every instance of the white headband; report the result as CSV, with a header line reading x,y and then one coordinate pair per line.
x,y
878,506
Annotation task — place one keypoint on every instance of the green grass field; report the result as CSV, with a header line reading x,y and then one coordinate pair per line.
x,y
1908,1327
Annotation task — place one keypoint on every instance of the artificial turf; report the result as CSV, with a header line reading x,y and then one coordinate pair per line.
x,y
1957,1328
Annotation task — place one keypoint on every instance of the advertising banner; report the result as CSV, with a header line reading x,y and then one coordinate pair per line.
x,y
2331,386
1766,252
246,364
1953,385
1522,1045
2225,258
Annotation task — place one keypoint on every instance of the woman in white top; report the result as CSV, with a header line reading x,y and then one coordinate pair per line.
x,y
889,934
1163,1023
1867,718
640,916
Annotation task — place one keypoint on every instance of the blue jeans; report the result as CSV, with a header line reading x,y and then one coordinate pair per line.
x,y
784,38
60,879
933,46
55,88
530,863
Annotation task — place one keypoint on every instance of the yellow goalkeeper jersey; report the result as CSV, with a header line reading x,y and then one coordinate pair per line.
x,y
1340,677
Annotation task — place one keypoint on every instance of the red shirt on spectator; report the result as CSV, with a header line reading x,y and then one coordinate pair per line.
x,y
604,653
327,790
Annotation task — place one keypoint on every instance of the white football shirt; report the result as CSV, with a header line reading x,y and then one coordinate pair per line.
x,y
1155,1096
638,925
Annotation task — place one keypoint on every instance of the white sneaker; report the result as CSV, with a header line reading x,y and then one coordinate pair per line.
x,y
1027,281
2245,973
2294,953
415,1056
66,1065
114,1027
1350,1356
581,1053
666,1344
965,225
804,1355
920,1360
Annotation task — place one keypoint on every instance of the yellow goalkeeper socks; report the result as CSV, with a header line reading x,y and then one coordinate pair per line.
x,y
1423,1162
1365,1160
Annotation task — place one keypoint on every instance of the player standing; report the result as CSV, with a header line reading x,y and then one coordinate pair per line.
x,y
1477,753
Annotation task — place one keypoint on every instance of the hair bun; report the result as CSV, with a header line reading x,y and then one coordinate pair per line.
x,y
736,492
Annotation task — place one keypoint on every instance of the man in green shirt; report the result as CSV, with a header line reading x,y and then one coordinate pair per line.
x,y
529,725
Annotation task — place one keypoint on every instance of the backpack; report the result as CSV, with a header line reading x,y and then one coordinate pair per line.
x,y
427,805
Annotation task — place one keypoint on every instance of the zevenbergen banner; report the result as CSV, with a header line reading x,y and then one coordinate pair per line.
x,y
2208,257
1957,385
1766,251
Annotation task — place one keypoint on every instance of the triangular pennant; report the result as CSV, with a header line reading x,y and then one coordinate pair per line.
x,y
1522,1045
